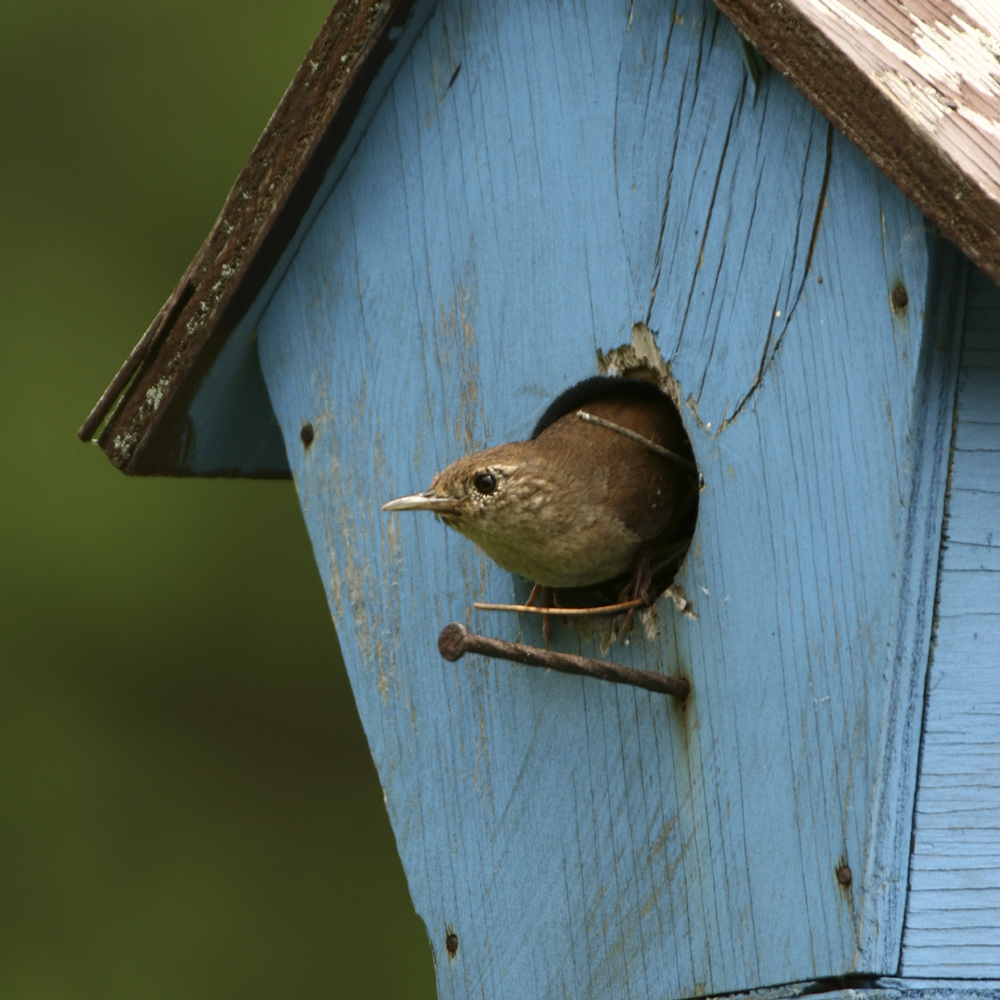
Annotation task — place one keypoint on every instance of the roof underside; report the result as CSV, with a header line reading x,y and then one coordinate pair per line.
x,y
915,86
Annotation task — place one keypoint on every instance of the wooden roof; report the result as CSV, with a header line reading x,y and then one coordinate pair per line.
x,y
915,85
271,195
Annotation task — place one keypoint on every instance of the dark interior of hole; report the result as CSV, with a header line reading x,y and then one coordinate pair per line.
x,y
666,553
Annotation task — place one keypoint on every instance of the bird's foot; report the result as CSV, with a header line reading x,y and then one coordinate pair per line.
x,y
548,599
636,592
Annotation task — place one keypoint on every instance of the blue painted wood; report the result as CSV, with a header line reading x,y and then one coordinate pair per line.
x,y
937,989
494,236
230,427
953,906
916,989
890,835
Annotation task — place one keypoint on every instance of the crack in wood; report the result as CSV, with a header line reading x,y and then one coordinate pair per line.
x,y
769,352
708,219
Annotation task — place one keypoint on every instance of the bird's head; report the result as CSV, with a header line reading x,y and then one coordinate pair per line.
x,y
490,496
473,488
573,506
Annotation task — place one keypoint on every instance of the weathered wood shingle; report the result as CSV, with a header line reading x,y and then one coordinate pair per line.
x,y
915,84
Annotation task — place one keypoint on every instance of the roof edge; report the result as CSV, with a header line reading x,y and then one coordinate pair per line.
x,y
942,165
258,221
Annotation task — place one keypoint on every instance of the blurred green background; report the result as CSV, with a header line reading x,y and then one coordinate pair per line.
x,y
187,803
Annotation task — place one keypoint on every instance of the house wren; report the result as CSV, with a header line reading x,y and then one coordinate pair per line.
x,y
580,503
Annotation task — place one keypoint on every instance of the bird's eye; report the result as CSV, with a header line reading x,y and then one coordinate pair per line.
x,y
485,483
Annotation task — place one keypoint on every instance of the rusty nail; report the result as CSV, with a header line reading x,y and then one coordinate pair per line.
x,y
455,640
451,943
844,876
307,434
899,297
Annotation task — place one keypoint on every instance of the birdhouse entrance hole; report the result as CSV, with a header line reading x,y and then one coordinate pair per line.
x,y
652,484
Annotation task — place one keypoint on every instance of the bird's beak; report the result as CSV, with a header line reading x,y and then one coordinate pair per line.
x,y
428,500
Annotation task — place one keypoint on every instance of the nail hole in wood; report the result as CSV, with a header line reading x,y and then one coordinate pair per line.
x,y
307,434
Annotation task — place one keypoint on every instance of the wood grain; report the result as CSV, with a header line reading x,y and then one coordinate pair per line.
x,y
953,908
496,235
916,85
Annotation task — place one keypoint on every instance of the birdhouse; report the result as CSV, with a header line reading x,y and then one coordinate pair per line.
x,y
787,217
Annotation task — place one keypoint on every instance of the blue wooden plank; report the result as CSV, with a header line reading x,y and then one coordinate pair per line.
x,y
958,599
958,556
955,868
695,236
231,428
953,918
978,470
891,988
977,401
971,436
969,963
494,238
966,522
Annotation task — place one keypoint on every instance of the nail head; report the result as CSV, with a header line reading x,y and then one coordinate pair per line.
x,y
451,641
